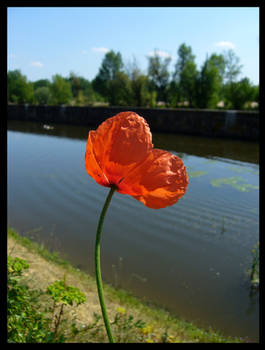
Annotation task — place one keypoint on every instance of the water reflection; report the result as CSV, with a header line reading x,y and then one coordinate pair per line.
x,y
183,144
253,300
190,258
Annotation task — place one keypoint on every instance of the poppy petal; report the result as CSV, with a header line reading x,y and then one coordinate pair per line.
x,y
120,143
92,166
159,181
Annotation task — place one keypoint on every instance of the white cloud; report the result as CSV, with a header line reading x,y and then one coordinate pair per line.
x,y
100,49
159,53
36,64
225,44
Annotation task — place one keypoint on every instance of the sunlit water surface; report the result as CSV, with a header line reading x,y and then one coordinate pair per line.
x,y
191,258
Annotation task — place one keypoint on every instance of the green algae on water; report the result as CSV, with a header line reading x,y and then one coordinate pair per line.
x,y
243,170
196,173
236,182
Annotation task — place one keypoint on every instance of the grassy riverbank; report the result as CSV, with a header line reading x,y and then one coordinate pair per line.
x,y
132,320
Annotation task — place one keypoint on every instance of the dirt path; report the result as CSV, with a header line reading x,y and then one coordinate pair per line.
x,y
41,273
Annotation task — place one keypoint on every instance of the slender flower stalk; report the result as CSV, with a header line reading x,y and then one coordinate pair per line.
x,y
120,155
97,264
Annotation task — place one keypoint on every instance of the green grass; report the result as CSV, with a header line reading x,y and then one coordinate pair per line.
x,y
139,322
39,249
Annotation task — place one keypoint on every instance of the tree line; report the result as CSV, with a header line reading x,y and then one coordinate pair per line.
x,y
214,85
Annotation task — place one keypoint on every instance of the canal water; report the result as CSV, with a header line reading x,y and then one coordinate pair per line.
x,y
192,258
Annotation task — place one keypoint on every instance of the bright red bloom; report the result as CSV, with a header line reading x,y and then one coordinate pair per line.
x,y
120,152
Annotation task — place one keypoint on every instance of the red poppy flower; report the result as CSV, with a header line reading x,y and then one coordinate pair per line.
x,y
120,153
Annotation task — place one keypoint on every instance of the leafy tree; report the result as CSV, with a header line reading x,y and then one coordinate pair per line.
x,y
132,69
210,81
41,83
187,83
85,84
61,90
19,90
120,93
217,80
185,55
111,65
42,95
75,82
83,91
159,75
141,96
256,93
232,66
186,74
231,88
173,94
91,96
237,94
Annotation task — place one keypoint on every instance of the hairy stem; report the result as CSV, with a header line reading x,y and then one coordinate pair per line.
x,y
97,264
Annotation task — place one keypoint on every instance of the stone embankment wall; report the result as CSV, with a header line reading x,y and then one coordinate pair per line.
x,y
212,123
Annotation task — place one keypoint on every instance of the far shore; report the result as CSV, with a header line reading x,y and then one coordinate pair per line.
x,y
243,125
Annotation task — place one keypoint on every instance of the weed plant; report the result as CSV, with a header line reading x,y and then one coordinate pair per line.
x,y
43,316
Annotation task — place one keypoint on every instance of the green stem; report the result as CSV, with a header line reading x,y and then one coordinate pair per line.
x,y
97,264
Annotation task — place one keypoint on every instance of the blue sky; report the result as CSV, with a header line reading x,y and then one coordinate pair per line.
x,y
43,41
